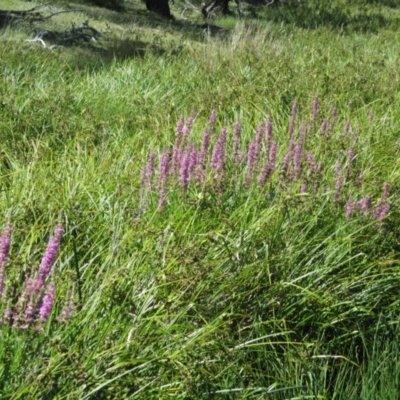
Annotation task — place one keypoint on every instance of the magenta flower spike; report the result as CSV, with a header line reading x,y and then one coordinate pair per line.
x,y
184,171
324,126
349,209
47,304
383,206
334,115
365,204
213,117
236,139
205,144
339,181
49,256
179,127
311,161
268,135
297,158
217,159
272,156
346,128
4,253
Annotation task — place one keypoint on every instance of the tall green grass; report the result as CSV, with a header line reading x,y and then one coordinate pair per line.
x,y
247,296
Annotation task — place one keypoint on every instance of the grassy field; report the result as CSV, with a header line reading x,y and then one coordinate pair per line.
x,y
200,213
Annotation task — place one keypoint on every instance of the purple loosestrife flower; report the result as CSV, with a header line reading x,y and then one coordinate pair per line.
x,y
383,206
292,120
269,166
262,177
184,171
339,181
346,128
315,110
334,115
179,127
268,135
176,160
288,157
213,117
259,136
188,126
311,161
217,159
386,191
350,158
164,167
47,304
4,252
236,139
205,144
349,209
324,126
49,256
297,158
194,160
303,188
365,204
251,161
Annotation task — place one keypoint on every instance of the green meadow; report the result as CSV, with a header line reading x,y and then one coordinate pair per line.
x,y
228,198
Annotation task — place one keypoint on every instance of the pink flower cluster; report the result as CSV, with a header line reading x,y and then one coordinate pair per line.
x,y
35,303
224,159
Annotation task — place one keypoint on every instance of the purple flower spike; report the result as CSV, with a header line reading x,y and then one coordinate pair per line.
x,y
311,161
236,139
205,146
324,126
188,126
217,159
334,115
365,204
303,188
4,252
268,136
346,128
297,158
339,181
383,206
259,136
349,209
251,162
47,304
184,171
164,166
213,117
179,126
49,256
272,156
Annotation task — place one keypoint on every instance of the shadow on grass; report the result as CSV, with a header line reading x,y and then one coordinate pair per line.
x,y
310,17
